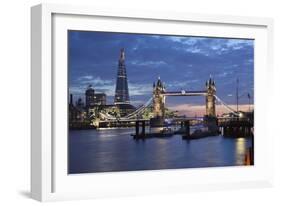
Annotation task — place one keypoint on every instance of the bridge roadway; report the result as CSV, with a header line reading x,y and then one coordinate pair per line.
x,y
222,121
144,122
185,93
147,120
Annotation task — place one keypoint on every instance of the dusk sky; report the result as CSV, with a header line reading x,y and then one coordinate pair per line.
x,y
181,62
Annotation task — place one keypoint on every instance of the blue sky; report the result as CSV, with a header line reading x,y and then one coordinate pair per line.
x,y
181,62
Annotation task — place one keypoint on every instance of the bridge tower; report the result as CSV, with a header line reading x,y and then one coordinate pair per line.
x,y
210,98
158,99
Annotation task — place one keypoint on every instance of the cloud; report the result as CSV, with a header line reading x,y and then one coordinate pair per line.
x,y
238,43
183,40
182,62
179,85
140,89
107,86
89,79
76,90
210,46
147,63
100,85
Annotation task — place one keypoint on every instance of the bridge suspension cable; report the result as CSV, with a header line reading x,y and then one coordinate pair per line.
x,y
107,116
149,103
226,106
129,116
139,110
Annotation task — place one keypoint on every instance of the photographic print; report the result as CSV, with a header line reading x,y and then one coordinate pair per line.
x,y
149,102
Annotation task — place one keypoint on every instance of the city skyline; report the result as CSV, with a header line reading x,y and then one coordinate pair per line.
x,y
181,62
158,102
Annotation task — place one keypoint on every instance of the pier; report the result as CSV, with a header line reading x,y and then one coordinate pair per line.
x,y
162,131
242,127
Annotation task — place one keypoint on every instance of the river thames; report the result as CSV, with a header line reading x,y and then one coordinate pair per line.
x,y
116,150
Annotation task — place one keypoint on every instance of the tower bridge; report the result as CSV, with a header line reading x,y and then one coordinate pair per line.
x,y
158,100
160,94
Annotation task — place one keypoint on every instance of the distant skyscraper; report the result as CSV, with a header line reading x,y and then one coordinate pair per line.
x,y
90,96
93,98
122,91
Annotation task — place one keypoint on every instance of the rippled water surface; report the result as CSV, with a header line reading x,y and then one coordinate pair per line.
x,y
116,150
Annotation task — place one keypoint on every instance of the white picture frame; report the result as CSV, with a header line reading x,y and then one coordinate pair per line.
x,y
49,180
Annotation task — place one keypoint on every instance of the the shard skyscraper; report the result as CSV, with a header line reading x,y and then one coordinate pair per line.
x,y
122,91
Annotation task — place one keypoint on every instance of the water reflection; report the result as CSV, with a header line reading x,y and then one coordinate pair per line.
x,y
240,150
116,150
